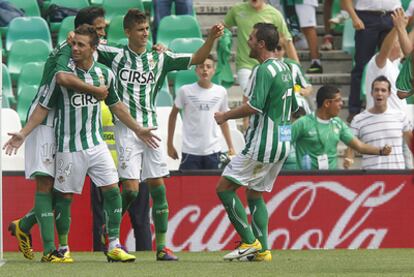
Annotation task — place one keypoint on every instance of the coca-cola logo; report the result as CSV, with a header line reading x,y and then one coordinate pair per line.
x,y
346,225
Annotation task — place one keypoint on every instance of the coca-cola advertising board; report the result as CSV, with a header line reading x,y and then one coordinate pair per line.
x,y
305,212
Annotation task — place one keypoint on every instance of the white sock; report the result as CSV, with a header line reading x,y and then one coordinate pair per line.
x,y
113,243
318,61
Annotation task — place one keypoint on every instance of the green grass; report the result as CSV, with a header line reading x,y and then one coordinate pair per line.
x,y
386,262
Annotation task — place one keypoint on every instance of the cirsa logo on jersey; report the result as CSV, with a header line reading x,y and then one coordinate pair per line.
x,y
137,77
83,100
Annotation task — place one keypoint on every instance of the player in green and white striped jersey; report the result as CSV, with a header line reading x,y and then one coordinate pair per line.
x,y
271,100
40,144
80,146
140,74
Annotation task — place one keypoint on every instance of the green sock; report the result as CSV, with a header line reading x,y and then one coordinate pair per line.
x,y
128,196
28,221
159,214
237,215
62,217
260,220
44,216
113,211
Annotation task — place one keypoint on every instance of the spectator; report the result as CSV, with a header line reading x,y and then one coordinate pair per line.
x,y
162,8
381,125
244,16
201,139
316,136
372,22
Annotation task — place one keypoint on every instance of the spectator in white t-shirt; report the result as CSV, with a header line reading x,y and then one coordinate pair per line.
x,y
201,136
381,125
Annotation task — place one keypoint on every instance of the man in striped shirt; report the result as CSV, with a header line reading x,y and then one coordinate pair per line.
x,y
381,125
80,148
140,74
271,100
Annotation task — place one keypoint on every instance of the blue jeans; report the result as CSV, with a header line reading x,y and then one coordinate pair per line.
x,y
162,8
194,162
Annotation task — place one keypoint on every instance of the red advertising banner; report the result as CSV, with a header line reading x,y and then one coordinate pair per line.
x,y
306,212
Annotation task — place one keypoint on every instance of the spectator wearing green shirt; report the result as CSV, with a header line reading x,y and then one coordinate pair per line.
x,y
316,135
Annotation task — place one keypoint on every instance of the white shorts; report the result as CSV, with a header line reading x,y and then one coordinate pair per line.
x,y
72,167
136,160
243,75
306,15
252,174
39,152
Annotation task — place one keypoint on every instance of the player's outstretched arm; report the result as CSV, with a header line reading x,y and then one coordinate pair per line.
x,y
201,54
368,149
172,119
239,112
39,114
144,134
71,81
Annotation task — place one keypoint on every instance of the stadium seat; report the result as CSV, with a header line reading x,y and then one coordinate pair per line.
x,y
164,98
78,4
31,75
24,99
336,8
348,41
177,26
116,29
19,55
7,86
67,25
29,7
97,3
10,122
184,77
116,7
28,28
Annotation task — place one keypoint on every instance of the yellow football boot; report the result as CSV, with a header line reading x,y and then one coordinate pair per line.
x,y
119,255
24,239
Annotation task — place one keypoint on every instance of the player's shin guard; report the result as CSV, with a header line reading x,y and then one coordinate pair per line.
x,y
44,215
28,221
113,210
237,215
62,217
128,196
159,214
260,220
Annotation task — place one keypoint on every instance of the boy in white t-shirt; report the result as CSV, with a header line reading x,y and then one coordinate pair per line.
x,y
201,137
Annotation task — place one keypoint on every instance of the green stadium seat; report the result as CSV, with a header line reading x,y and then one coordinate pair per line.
x,y
5,103
67,25
97,3
19,55
7,86
30,7
164,98
177,26
116,29
348,41
336,8
28,28
24,100
74,4
31,75
185,45
117,7
184,77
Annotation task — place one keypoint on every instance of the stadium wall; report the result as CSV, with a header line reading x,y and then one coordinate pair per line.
x,y
336,209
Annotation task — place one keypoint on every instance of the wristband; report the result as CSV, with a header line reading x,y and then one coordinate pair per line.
x,y
381,152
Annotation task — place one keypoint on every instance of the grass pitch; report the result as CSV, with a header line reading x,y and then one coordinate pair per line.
x,y
384,262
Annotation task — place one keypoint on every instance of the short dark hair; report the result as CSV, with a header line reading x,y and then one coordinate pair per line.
x,y
268,33
381,78
299,113
134,16
88,15
88,30
325,93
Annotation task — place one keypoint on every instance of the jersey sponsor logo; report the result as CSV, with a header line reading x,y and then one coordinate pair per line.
x,y
83,100
135,76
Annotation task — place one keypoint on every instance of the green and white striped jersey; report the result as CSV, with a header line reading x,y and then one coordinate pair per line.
x,y
271,94
57,61
78,115
139,77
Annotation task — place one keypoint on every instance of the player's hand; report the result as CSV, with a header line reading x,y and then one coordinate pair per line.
x,y
13,143
172,153
70,36
386,150
399,19
216,31
348,162
160,48
220,117
149,138
231,152
358,24
101,93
